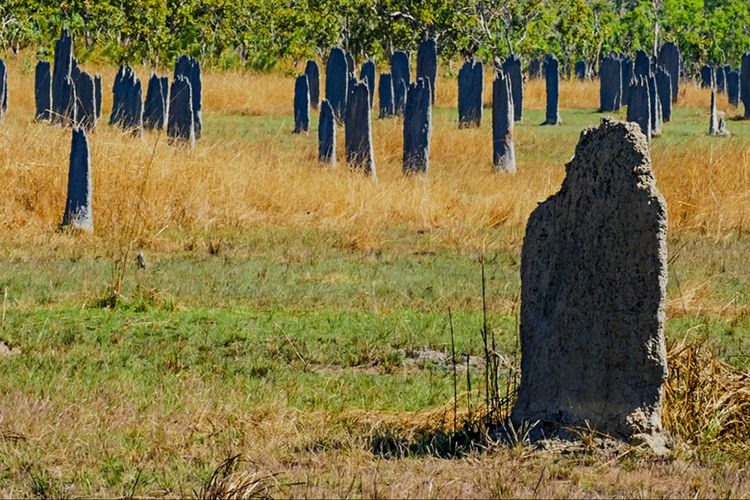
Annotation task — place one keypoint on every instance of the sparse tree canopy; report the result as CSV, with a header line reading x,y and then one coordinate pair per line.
x,y
262,33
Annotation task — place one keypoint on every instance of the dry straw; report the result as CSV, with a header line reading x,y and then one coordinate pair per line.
x,y
240,178
706,404
707,401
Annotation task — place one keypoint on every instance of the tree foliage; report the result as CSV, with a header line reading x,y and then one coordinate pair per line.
x,y
263,33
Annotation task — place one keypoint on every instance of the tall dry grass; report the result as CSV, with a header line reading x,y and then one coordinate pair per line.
x,y
235,180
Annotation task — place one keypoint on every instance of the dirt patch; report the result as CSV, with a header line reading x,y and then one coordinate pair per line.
x,y
426,356
6,350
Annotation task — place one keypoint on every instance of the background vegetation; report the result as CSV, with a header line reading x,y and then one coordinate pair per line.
x,y
261,34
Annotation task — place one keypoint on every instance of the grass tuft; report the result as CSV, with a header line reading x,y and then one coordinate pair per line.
x,y
707,401
229,483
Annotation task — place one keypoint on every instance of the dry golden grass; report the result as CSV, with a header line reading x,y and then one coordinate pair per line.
x,y
707,401
278,450
230,181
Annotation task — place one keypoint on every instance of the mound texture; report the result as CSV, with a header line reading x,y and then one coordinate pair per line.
x,y
594,276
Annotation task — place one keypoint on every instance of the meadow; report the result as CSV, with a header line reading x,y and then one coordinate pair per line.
x,y
293,331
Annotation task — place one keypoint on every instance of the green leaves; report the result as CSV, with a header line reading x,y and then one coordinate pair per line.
x,y
261,33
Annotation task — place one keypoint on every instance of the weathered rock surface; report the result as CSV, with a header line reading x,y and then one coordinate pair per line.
x,y
593,288
78,205
552,77
503,151
337,80
327,134
132,116
358,130
69,116
367,75
642,65
664,91
733,87
401,78
118,94
719,76
627,79
313,81
610,85
385,96
655,104
417,127
98,94
427,64
61,71
470,94
639,105
400,93
580,70
301,105
164,80
726,70
86,100
713,120
512,69
745,84
127,101
707,77
42,91
190,68
535,69
180,125
717,126
3,88
669,59
155,107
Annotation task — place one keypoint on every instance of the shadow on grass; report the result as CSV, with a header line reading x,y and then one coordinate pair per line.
x,y
392,443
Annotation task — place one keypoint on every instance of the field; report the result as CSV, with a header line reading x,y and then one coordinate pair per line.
x,y
295,323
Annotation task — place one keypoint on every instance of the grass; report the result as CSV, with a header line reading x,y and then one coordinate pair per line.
x,y
290,334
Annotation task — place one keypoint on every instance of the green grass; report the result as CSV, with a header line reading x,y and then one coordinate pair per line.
x,y
272,357
334,359
293,269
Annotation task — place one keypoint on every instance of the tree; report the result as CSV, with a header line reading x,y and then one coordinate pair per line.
x,y
498,29
263,33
